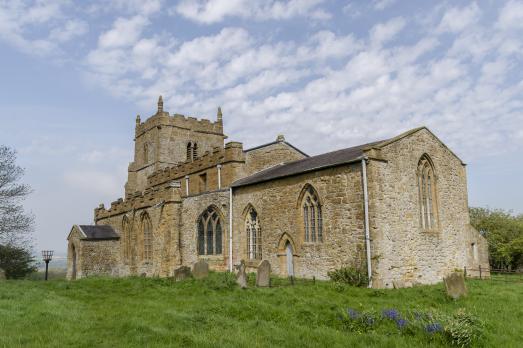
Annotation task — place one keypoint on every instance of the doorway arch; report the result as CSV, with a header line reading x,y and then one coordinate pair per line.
x,y
286,254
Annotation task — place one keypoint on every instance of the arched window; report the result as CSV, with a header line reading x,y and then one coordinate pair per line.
x,y
427,194
126,231
189,151
254,238
312,215
194,151
210,233
147,229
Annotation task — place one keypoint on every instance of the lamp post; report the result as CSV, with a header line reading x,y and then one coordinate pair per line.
x,y
47,255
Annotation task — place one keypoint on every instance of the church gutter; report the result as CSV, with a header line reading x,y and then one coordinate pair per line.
x,y
366,208
230,229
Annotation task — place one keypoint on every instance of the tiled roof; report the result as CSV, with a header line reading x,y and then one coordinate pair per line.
x,y
308,164
98,232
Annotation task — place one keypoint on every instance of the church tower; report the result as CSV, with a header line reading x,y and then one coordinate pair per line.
x,y
164,140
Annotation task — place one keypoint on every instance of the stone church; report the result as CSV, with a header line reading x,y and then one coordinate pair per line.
x,y
396,208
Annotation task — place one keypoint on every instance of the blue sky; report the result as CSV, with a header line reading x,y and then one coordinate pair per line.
x,y
327,74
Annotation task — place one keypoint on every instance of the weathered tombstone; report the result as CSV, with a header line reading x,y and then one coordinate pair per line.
x,y
2,274
263,274
455,285
182,273
200,269
241,277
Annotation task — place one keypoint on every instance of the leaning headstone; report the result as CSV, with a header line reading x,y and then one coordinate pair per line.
x,y
241,277
2,274
263,274
455,285
182,273
200,269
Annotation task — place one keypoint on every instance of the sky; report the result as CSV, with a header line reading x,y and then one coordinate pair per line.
x,y
326,74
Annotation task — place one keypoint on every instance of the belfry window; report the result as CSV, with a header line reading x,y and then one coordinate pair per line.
x,y
254,237
192,151
147,230
312,216
427,194
209,233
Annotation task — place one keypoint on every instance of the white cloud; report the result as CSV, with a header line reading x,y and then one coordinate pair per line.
x,y
383,32
383,4
457,19
511,15
125,32
108,184
71,29
213,11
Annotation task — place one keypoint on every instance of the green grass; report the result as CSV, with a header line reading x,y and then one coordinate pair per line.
x,y
144,312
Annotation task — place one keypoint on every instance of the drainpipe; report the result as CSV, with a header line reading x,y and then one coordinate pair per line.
x,y
219,166
230,229
187,185
366,207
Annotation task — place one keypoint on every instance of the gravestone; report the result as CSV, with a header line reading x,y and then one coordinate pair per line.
x,y
398,284
2,274
455,285
200,269
182,273
241,277
263,274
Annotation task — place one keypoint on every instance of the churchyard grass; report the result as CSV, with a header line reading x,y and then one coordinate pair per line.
x,y
214,312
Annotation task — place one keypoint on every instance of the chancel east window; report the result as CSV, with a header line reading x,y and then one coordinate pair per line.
x,y
312,216
427,194
254,237
147,230
210,233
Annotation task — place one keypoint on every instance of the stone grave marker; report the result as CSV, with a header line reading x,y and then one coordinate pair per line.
x,y
455,285
241,277
182,273
200,269
2,274
263,274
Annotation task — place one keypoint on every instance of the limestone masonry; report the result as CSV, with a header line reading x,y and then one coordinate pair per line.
x,y
401,203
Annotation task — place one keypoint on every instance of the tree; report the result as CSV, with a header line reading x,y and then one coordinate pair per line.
x,y
16,261
504,233
15,225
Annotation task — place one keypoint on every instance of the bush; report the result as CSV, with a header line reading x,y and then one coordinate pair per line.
x,y
463,329
16,262
349,275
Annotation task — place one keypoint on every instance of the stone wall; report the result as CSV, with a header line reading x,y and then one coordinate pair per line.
x,y
263,157
401,250
192,208
93,258
279,209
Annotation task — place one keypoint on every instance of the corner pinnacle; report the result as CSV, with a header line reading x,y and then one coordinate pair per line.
x,y
160,105
220,115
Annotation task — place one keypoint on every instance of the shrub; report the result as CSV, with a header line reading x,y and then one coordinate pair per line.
x,y
349,275
16,262
463,329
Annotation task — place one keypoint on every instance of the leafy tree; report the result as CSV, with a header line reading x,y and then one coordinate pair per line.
x,y
504,233
15,224
16,261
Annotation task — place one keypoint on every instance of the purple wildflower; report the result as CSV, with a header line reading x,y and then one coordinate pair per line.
x,y
353,314
391,314
432,328
401,323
